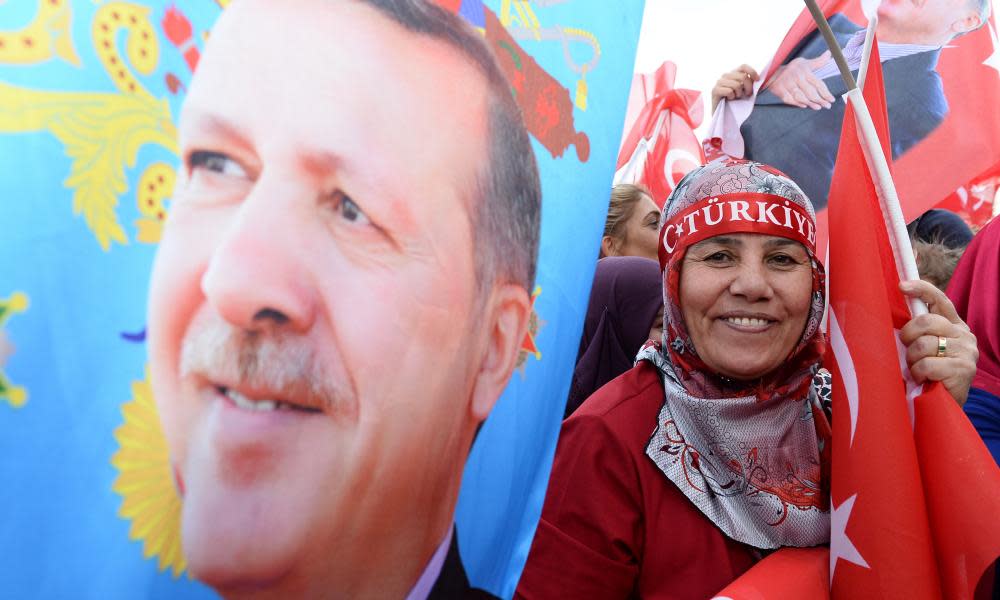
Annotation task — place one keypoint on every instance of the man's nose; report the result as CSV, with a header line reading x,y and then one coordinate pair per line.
x,y
751,282
258,275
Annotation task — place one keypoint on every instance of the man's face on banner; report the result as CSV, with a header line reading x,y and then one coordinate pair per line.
x,y
314,324
931,22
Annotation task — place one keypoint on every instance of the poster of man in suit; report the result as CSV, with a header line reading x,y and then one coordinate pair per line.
x,y
936,60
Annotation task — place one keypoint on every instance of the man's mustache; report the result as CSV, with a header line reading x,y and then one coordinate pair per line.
x,y
283,365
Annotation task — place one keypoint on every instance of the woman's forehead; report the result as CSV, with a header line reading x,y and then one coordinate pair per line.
x,y
741,240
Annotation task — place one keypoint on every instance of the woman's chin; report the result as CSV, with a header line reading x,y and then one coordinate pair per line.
x,y
747,368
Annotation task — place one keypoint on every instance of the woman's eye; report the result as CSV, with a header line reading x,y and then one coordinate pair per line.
x,y
717,257
215,162
349,210
783,260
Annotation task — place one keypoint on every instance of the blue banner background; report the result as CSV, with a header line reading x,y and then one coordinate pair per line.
x,y
72,310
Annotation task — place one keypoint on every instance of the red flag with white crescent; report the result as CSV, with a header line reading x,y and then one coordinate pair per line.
x,y
659,146
904,457
914,493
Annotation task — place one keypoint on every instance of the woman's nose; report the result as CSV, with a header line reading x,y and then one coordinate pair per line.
x,y
750,282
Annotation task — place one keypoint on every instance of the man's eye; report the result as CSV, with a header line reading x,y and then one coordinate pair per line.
x,y
349,210
215,162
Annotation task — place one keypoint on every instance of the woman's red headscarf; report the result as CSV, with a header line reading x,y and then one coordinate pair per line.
x,y
749,455
737,196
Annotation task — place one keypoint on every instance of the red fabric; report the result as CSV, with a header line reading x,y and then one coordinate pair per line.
x,y
975,290
737,212
787,573
910,502
962,487
667,120
973,201
937,166
878,490
613,526
793,378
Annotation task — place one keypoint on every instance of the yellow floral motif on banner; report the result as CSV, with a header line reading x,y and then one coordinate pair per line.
x,y
48,35
145,481
102,132
155,186
15,395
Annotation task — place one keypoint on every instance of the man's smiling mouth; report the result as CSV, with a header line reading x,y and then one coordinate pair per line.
x,y
260,405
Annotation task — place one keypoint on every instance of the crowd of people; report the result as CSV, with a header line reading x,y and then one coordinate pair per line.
x,y
650,493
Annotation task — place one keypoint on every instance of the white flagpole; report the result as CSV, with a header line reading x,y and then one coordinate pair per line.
x,y
886,191
878,165
866,50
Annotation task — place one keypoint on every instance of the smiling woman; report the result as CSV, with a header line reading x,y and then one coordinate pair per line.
x,y
671,480
738,335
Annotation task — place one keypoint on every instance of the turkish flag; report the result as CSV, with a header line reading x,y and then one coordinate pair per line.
x,y
660,146
786,573
915,495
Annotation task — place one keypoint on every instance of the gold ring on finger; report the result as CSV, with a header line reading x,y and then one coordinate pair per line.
x,y
942,346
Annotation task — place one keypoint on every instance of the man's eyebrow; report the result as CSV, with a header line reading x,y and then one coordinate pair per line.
x,y
320,162
312,160
653,213
210,123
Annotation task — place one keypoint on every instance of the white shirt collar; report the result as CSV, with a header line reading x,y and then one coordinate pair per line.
x,y
425,584
854,47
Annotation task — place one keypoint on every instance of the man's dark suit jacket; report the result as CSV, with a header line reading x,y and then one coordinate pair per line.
x,y
453,583
803,142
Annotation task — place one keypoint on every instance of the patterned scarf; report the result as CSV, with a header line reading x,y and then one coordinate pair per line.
x,y
750,455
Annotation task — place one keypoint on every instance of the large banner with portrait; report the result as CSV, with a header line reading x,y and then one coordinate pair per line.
x,y
942,78
291,293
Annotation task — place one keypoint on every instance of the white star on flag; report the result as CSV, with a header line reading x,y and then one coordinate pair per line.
x,y
840,545
994,59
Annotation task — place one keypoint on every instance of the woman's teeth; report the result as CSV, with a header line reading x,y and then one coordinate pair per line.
x,y
747,321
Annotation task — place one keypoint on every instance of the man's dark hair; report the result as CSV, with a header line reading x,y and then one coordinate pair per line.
x,y
506,212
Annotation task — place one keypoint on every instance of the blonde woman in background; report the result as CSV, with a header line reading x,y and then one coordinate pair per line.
x,y
633,224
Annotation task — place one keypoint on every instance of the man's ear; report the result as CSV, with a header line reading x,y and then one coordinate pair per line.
x,y
609,246
507,312
965,25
